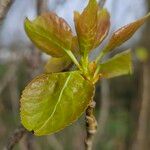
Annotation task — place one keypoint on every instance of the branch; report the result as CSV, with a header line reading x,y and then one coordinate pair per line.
x,y
8,77
4,7
104,111
91,126
15,137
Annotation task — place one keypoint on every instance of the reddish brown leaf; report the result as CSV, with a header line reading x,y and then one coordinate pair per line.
x,y
124,33
50,33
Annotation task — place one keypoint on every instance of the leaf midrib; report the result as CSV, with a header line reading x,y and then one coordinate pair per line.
x,y
48,38
59,99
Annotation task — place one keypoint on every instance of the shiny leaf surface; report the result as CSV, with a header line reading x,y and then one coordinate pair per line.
x,y
50,33
53,101
103,26
92,26
121,64
124,33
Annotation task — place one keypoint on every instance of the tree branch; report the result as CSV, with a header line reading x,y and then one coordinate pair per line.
x,y
15,137
4,7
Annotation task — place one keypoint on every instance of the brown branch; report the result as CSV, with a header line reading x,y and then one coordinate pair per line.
x,y
91,126
4,7
15,137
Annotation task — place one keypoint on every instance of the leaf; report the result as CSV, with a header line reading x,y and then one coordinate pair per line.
x,y
57,64
142,54
53,101
124,33
121,64
75,45
50,33
86,25
92,26
103,26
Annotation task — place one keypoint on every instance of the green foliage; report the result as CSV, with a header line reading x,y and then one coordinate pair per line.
x,y
54,100
116,66
124,33
92,26
142,54
50,33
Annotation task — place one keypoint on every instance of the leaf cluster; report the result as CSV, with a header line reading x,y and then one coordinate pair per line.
x,y
55,99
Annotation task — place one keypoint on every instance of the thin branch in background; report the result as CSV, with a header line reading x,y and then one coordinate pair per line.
x,y
7,77
104,111
141,142
4,7
102,3
54,143
15,137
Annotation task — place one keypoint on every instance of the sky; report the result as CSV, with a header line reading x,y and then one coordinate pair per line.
x,y
122,12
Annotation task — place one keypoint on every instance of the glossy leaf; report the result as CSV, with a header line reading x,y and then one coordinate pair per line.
x,y
92,26
53,101
57,64
75,45
50,33
124,33
103,26
121,64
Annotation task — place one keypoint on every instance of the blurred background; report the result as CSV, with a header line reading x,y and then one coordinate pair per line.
x,y
123,104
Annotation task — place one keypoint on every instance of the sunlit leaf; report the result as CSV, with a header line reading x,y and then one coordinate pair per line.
x,y
50,33
58,64
124,33
53,101
92,26
86,25
121,64
75,46
103,26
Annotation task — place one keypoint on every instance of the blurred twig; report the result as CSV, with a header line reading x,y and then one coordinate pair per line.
x,y
104,111
15,138
102,3
4,7
8,77
54,143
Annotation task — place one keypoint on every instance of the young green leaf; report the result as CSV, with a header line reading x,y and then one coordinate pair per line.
x,y
50,33
57,64
121,64
103,26
53,101
124,33
92,26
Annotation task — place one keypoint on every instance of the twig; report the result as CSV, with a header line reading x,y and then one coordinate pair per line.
x,y
8,77
15,137
54,143
4,7
91,126
102,3
104,111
